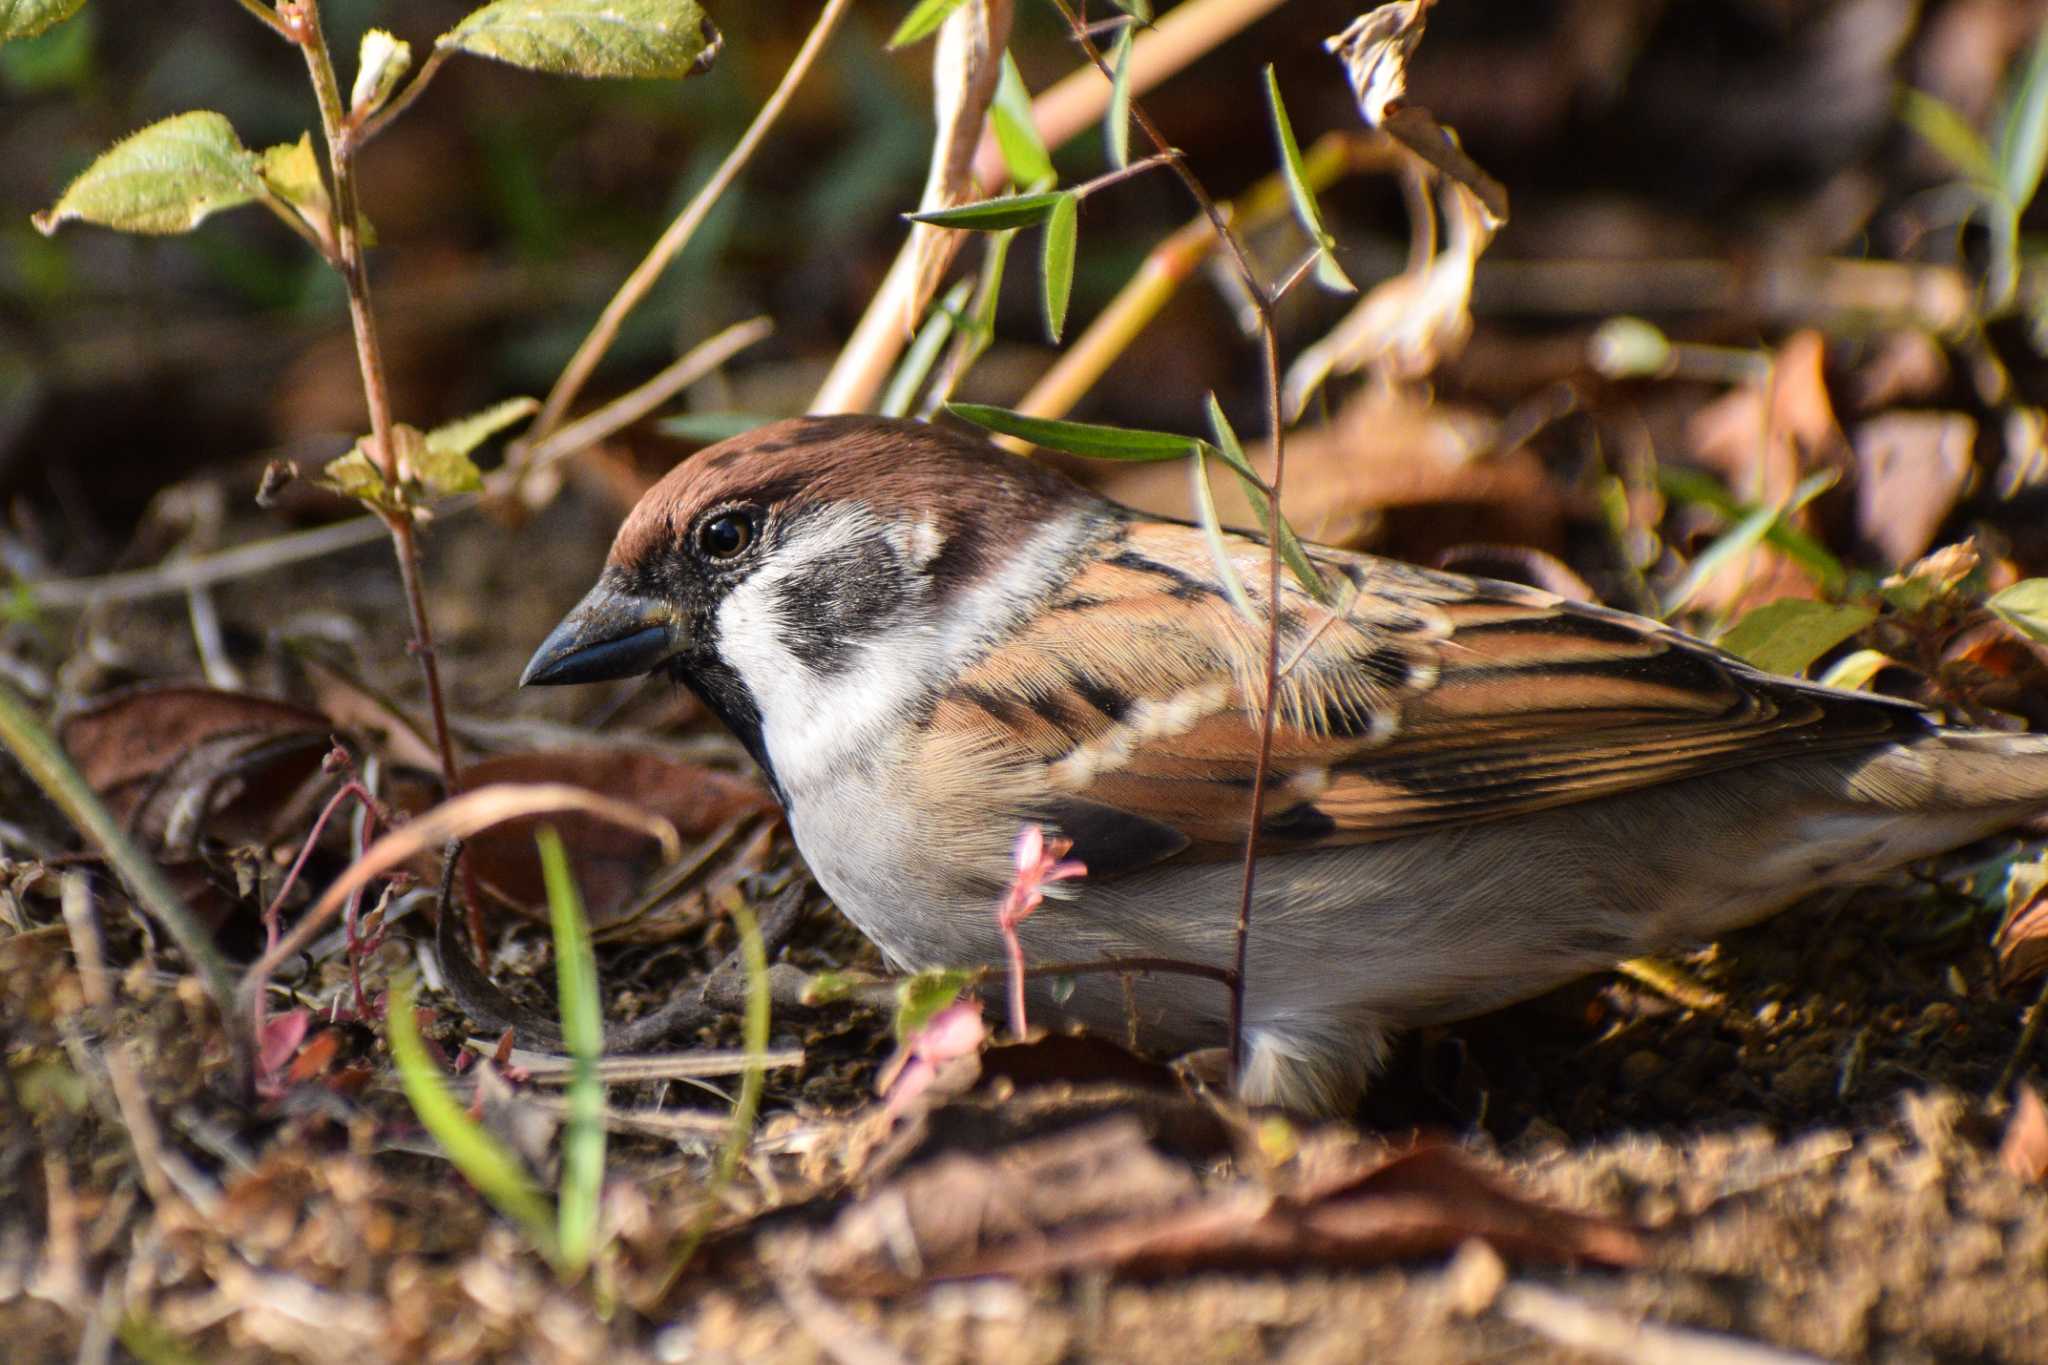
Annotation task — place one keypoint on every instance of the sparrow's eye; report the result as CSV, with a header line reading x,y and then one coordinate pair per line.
x,y
726,535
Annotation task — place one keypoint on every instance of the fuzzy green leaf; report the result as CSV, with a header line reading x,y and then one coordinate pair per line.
x,y
1212,533
1787,636
924,995
1855,671
381,60
1302,195
1061,231
2023,129
1948,132
1024,152
923,21
1077,438
465,434
995,215
27,18
1292,552
2024,607
597,38
1116,120
292,172
166,178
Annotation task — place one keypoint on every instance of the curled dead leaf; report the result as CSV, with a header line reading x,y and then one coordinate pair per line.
x,y
612,862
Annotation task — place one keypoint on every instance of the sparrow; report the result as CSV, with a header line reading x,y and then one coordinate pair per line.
x,y
1477,790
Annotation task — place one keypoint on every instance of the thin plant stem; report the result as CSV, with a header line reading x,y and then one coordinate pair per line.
x,y
1262,299
606,330
301,23
267,17
399,103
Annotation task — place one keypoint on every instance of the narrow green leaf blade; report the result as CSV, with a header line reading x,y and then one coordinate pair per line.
x,y
1077,438
166,178
484,1161
1743,537
1787,636
1948,132
1116,120
1292,552
1212,532
2023,130
1061,232
1301,194
582,1016
923,352
2024,607
27,18
923,21
1016,132
995,215
665,39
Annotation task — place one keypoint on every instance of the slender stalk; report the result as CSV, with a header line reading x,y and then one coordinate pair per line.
x,y
267,17
578,371
1262,299
301,21
399,103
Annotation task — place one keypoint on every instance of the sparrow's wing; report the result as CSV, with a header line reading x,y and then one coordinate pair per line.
x,y
1127,712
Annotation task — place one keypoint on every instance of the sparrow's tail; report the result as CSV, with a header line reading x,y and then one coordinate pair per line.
x,y
1920,797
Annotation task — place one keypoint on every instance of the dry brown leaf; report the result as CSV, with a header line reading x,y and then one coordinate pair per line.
x,y
1911,468
459,817
350,704
175,761
2024,1149
2021,944
612,863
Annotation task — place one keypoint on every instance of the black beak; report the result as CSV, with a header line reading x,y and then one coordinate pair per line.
x,y
610,634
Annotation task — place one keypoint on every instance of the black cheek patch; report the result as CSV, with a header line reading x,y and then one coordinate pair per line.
x,y
836,606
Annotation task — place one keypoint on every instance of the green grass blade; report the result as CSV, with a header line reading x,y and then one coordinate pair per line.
x,y
1301,195
1949,133
1291,550
917,362
1748,533
923,21
483,1160
1212,532
583,1136
2023,129
1116,120
993,215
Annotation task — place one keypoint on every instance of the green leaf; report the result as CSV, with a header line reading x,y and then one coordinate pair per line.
x,y
1077,438
994,215
1141,10
1787,636
465,434
601,38
1016,132
1061,230
924,995
2023,129
292,172
1743,537
381,60
483,1160
1301,195
583,1035
711,426
1292,551
1212,532
923,21
355,475
1691,486
2024,607
1855,671
1949,133
166,178
923,352
1116,120
27,18
829,987
60,60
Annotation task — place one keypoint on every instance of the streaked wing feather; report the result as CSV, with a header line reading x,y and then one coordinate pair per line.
x,y
1429,700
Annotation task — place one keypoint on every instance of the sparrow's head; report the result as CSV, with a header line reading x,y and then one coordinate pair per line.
x,y
790,554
